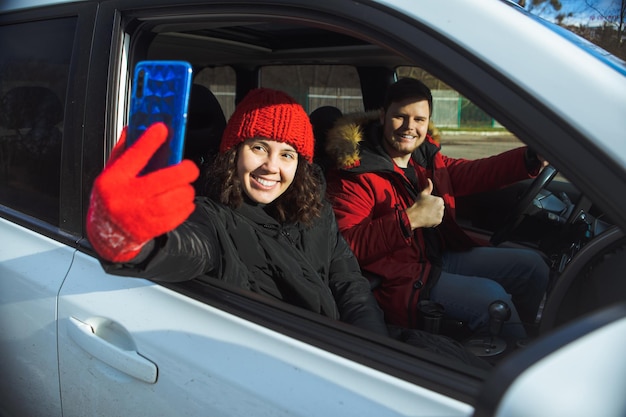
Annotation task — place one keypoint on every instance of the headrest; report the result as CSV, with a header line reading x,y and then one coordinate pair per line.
x,y
323,118
204,110
205,124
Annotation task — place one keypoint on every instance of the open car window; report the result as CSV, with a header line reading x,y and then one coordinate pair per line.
x,y
230,58
341,68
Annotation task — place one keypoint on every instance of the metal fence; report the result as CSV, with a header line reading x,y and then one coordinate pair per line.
x,y
446,111
348,100
450,109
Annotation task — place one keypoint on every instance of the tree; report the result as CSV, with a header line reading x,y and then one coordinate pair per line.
x,y
599,21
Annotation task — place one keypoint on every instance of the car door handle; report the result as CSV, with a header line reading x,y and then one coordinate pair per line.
x,y
113,347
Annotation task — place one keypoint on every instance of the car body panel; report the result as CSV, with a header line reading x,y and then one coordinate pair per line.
x,y
580,367
572,395
210,362
32,269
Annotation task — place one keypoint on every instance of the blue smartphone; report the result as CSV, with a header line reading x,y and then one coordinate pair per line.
x,y
160,93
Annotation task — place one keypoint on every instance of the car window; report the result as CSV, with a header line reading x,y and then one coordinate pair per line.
x,y
463,129
221,82
229,70
34,68
315,86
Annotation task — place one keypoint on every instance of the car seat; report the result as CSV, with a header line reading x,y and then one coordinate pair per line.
x,y
205,125
323,118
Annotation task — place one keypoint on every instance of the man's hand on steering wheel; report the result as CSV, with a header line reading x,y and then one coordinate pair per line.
x,y
535,163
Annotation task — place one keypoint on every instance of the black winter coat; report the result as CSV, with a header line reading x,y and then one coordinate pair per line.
x,y
312,267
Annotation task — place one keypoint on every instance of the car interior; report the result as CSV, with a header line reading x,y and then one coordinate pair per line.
x,y
330,72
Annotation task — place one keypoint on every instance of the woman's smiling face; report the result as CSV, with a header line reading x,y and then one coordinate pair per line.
x,y
266,168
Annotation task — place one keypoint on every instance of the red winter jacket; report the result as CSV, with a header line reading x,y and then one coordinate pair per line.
x,y
370,194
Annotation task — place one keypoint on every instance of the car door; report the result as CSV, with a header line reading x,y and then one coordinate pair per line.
x,y
132,347
583,358
32,268
36,247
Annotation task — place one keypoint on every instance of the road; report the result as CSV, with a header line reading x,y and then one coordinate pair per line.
x,y
477,145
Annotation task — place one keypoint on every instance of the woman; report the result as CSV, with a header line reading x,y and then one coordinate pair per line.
x,y
264,226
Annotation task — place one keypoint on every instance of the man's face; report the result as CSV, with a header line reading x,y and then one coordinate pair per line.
x,y
405,124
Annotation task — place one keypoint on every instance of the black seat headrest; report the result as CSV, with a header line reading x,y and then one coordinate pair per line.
x,y
205,124
323,118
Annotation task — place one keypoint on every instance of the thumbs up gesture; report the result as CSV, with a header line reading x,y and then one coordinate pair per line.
x,y
128,210
427,211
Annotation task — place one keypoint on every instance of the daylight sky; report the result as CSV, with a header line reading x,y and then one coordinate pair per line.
x,y
585,12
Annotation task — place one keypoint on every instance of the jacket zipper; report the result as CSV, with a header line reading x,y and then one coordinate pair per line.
x,y
282,231
413,300
419,284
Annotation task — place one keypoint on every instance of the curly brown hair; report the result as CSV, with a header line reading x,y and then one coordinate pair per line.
x,y
301,202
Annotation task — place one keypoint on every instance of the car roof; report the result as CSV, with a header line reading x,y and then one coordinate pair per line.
x,y
14,5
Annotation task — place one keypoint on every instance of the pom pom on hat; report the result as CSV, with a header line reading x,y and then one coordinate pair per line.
x,y
273,115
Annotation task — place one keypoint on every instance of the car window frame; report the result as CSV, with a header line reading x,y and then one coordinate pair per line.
x,y
394,358
69,227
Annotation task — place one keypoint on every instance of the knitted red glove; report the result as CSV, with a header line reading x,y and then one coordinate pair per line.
x,y
127,210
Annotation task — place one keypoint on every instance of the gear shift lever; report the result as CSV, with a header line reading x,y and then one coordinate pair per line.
x,y
499,312
491,345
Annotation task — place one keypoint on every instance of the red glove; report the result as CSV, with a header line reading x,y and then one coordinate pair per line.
x,y
127,210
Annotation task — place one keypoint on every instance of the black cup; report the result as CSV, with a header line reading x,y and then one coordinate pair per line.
x,y
430,316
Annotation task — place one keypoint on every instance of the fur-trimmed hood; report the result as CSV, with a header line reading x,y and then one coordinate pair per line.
x,y
343,139
354,144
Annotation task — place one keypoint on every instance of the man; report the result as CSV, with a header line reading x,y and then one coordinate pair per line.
x,y
393,195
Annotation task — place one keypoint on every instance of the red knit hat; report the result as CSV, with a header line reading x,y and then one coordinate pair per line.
x,y
273,115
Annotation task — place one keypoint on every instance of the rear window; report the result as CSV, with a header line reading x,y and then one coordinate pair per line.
x,y
34,68
315,86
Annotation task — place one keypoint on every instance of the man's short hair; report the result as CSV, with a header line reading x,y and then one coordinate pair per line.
x,y
408,88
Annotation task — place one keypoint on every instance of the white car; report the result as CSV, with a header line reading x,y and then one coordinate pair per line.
x,y
75,341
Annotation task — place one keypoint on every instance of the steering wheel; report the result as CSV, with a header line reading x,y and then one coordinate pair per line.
x,y
517,214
